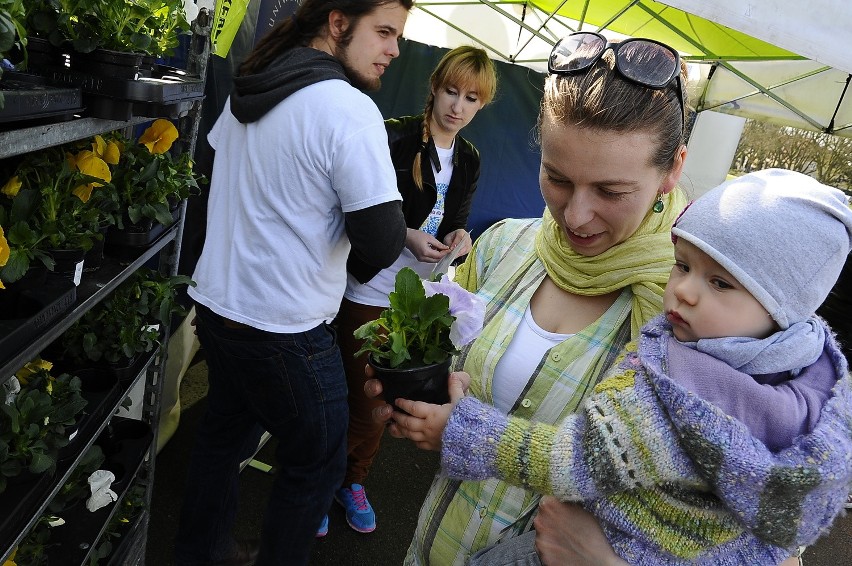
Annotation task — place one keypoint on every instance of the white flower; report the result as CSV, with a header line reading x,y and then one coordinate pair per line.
x,y
11,388
467,308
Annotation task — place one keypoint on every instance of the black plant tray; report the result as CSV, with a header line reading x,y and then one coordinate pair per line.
x,y
109,108
101,390
127,371
124,451
124,443
124,372
18,502
166,85
162,91
32,312
133,236
29,97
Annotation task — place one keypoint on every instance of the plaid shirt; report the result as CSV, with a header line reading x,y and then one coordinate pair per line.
x,y
460,518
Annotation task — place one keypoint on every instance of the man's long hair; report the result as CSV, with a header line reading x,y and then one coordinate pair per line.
x,y
309,21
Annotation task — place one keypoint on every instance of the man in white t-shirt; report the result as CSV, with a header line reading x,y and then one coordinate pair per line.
x,y
301,175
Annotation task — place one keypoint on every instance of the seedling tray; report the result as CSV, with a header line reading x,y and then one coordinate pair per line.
x,y
166,85
33,311
29,97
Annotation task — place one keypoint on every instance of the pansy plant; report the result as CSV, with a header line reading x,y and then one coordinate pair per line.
x,y
426,323
148,181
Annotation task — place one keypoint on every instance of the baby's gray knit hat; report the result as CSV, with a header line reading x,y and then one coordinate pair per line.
x,y
782,234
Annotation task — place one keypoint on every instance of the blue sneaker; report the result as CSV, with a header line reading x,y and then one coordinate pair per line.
x,y
359,512
323,529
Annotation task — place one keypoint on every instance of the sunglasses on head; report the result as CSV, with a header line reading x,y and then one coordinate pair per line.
x,y
643,61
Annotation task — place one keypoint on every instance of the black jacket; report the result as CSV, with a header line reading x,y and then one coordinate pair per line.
x,y
405,140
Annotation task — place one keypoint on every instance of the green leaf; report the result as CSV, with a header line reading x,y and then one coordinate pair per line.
x,y
432,309
7,33
16,267
408,292
41,463
161,213
434,355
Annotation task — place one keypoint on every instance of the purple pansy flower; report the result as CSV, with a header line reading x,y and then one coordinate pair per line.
x,y
467,308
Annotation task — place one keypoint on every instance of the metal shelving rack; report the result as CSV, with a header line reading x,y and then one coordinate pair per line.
x,y
96,286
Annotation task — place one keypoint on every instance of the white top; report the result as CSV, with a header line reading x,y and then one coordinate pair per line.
x,y
442,184
375,291
512,372
276,248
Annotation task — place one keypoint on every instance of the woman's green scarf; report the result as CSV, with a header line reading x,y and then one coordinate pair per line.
x,y
643,261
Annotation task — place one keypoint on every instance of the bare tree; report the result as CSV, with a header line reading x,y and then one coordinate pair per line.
x,y
825,157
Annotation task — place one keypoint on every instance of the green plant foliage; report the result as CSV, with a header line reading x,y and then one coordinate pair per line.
x,y
52,199
123,325
415,329
12,31
41,19
33,426
76,487
143,26
147,180
128,509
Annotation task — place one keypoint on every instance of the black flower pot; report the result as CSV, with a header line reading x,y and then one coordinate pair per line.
x,y
69,263
95,256
23,494
426,383
124,443
100,390
30,308
43,55
107,63
126,370
34,278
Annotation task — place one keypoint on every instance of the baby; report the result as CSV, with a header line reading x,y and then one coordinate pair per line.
x,y
723,435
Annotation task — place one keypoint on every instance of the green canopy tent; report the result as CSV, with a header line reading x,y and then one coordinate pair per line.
x,y
785,64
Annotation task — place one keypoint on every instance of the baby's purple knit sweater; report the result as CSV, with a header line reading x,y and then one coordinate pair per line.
x,y
671,478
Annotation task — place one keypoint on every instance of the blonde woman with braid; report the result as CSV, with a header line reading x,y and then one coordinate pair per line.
x,y
436,171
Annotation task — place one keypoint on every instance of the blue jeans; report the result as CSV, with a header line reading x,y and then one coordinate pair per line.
x,y
516,551
293,385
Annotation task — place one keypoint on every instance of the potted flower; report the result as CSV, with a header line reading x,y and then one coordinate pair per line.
x,y
150,27
76,487
125,325
129,509
21,255
147,185
111,37
12,32
52,207
411,344
36,420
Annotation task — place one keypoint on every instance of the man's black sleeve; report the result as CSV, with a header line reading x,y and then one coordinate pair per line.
x,y
377,233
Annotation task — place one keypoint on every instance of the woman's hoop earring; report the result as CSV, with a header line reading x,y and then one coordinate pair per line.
x,y
658,204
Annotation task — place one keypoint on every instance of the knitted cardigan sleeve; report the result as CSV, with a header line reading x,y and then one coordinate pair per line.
x,y
622,439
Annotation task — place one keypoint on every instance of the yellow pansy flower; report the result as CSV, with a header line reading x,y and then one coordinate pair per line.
x,y
11,560
99,146
109,151
112,153
31,368
4,252
159,136
4,248
87,162
11,187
